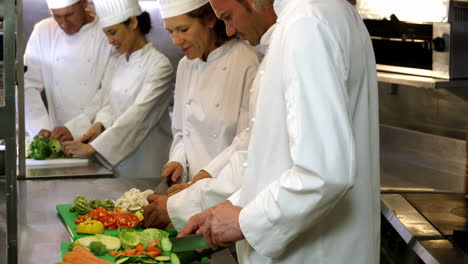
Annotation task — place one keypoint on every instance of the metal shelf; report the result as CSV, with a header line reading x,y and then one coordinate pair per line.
x,y
419,81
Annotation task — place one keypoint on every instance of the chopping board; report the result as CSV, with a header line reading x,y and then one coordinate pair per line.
x,y
56,163
69,221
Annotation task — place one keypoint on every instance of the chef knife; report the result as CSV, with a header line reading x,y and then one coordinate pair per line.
x,y
163,186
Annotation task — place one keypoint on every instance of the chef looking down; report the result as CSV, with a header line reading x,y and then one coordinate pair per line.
x,y
66,57
255,26
310,190
128,120
212,89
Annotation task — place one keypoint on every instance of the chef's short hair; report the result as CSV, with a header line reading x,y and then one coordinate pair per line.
x,y
144,22
206,12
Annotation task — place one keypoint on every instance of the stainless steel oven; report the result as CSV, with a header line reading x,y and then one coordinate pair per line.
x,y
436,49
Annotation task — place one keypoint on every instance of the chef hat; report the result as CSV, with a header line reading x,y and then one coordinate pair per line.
x,y
113,12
172,8
56,4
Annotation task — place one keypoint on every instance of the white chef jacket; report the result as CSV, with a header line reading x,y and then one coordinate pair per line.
x,y
211,106
134,98
70,69
310,192
208,192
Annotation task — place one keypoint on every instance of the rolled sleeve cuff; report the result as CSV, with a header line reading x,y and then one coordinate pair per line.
x,y
78,126
258,231
182,205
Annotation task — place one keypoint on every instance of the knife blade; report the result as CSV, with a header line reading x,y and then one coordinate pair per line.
x,y
162,188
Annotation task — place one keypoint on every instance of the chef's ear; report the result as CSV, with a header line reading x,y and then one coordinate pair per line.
x,y
133,23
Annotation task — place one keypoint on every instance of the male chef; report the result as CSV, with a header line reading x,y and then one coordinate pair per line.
x,y
219,185
310,191
66,57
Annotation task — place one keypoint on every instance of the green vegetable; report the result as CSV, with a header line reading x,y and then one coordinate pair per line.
x,y
98,248
174,259
55,145
150,234
166,244
128,237
82,206
73,244
44,148
111,243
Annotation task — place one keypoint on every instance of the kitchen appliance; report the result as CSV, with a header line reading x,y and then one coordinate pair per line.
x,y
407,40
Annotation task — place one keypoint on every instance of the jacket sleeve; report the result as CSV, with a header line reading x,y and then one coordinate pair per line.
x,y
207,192
36,115
321,141
132,126
82,122
241,140
177,151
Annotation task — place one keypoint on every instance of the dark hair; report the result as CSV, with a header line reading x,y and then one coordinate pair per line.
x,y
144,22
205,13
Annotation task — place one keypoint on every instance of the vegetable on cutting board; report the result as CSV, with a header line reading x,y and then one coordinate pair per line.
x,y
81,255
90,227
111,243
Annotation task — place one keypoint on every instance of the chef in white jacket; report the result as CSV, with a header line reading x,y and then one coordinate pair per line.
x,y
66,57
256,27
131,111
310,191
212,88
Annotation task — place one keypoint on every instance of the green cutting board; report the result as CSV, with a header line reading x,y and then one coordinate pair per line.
x,y
64,250
69,221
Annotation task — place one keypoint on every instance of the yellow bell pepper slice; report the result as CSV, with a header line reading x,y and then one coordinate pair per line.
x,y
90,227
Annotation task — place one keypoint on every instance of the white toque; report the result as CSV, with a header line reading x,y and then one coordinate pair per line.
x,y
56,4
113,12
172,8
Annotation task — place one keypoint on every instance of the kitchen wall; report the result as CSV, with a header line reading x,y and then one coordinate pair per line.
x,y
36,10
436,111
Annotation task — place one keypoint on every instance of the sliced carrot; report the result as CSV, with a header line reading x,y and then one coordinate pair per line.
x,y
130,252
140,248
152,245
113,253
152,254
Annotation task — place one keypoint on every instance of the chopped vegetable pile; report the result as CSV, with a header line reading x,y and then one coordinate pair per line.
x,y
45,148
82,206
133,200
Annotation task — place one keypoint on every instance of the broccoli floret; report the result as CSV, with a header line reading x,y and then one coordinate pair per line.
x,y
98,248
73,244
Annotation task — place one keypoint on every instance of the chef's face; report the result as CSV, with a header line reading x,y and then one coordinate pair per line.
x,y
193,35
122,36
240,19
262,4
71,18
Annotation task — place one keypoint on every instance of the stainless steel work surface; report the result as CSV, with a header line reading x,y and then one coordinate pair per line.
x,y
40,229
92,169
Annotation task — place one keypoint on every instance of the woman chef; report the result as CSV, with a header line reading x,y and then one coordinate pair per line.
x,y
130,121
212,88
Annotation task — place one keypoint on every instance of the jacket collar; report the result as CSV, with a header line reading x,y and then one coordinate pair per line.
x,y
262,47
136,55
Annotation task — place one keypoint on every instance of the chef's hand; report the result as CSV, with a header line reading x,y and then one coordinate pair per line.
x,y
173,170
44,133
78,149
179,187
93,132
155,213
61,133
218,225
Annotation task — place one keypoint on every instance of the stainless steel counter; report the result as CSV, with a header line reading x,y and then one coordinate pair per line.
x,y
92,169
40,229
